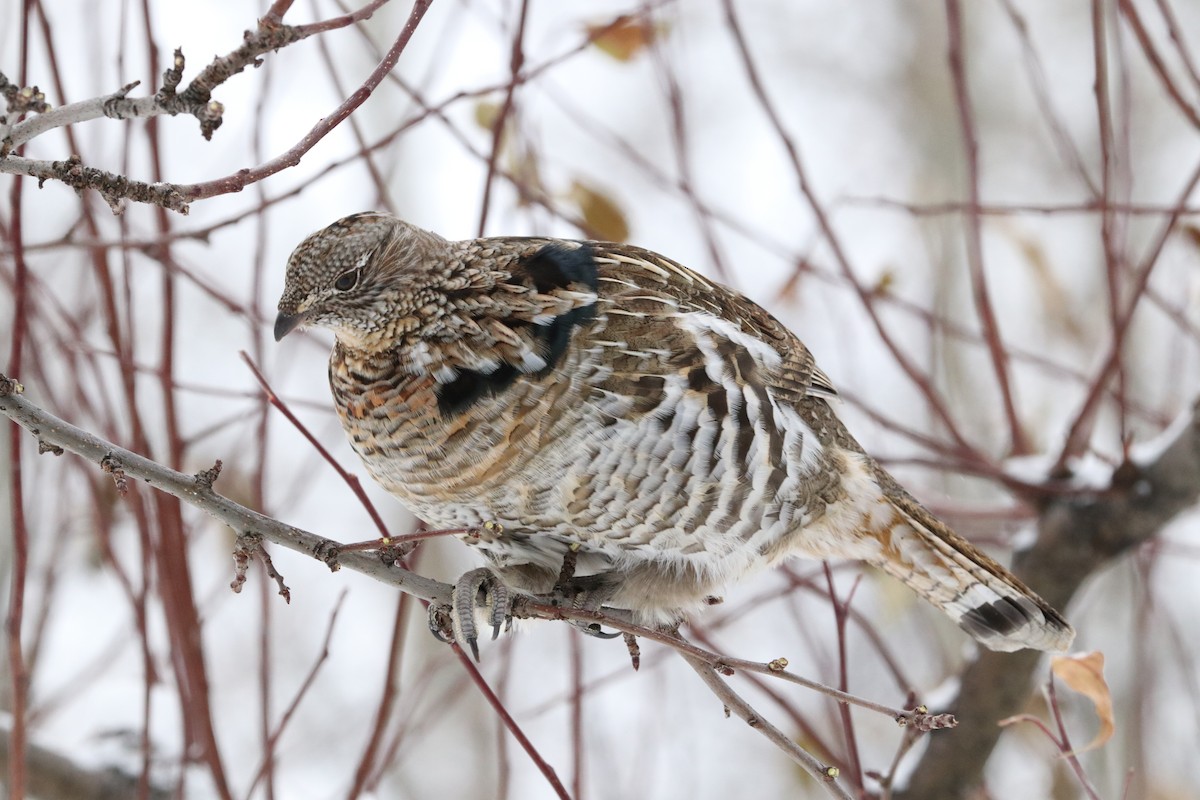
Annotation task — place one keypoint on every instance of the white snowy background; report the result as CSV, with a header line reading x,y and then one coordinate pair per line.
x,y
865,92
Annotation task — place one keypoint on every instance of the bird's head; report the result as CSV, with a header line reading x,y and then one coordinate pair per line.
x,y
485,305
370,278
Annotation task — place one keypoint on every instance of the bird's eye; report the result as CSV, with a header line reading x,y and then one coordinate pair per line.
x,y
346,281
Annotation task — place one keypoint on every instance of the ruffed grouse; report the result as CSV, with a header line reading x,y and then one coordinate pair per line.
x,y
602,401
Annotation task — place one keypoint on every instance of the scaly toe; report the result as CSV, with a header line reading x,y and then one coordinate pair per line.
x,y
479,588
501,608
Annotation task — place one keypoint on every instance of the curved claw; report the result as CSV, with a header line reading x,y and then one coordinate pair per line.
x,y
439,622
594,629
477,588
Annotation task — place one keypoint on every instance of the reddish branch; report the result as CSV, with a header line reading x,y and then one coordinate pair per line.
x,y
974,233
243,178
501,123
864,294
194,99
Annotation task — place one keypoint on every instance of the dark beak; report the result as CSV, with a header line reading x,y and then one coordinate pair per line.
x,y
286,323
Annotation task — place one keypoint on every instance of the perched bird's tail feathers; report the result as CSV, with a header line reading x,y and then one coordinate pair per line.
x,y
985,599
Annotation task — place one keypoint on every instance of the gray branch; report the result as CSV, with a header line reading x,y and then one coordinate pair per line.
x,y
195,100
54,435
112,187
825,775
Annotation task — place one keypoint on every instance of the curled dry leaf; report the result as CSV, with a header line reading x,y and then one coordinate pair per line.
x,y
1084,673
624,37
1192,234
486,112
605,220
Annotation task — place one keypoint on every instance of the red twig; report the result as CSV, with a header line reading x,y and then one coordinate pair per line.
x,y
973,231
20,533
367,155
578,751
1130,13
542,765
1080,429
171,550
1177,38
865,295
515,63
244,177
274,15
813,740
351,480
1067,148
1064,741
362,14
387,700
305,686
680,145
840,616
1113,259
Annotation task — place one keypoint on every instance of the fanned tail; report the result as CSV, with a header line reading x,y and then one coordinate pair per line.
x,y
985,599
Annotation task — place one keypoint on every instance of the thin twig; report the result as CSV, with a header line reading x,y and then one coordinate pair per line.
x,y
305,686
866,296
196,99
511,724
349,478
824,774
974,232
243,178
500,124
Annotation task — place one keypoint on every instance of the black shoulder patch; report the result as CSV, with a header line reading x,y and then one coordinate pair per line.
x,y
557,266
472,386
554,266
557,335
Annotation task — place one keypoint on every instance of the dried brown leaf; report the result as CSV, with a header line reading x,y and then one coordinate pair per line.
x,y
485,114
885,283
624,37
1192,233
1084,673
603,217
527,174
1060,305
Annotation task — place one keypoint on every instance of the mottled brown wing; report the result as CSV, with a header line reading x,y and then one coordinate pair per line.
x,y
652,290
646,297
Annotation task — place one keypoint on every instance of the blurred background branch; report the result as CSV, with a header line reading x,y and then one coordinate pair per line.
x,y
53,775
1078,536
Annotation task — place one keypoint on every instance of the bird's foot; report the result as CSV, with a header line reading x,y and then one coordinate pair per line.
x,y
585,593
455,622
